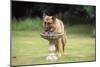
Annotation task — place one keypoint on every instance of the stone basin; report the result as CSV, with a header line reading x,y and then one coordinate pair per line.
x,y
51,35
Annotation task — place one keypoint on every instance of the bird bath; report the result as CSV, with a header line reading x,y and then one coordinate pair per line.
x,y
51,37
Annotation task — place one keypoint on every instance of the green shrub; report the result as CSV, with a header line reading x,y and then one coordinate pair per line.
x,y
66,18
27,24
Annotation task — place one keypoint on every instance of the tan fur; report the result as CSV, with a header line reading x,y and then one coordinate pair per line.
x,y
56,25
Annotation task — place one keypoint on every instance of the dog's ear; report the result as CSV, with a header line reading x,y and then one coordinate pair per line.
x,y
54,18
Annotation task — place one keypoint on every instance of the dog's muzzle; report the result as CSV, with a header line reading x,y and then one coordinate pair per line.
x,y
47,29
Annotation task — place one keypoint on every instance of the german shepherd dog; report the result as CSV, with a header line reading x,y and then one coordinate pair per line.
x,y
53,24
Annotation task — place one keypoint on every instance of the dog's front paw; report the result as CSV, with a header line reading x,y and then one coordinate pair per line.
x,y
59,55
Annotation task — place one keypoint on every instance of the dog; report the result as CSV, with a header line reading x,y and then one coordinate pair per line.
x,y
53,24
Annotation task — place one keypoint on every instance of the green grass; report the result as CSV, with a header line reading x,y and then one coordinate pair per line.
x,y
29,48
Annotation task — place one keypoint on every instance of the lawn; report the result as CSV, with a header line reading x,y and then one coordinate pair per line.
x,y
28,48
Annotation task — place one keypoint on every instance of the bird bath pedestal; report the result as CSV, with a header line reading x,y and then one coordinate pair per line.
x,y
51,37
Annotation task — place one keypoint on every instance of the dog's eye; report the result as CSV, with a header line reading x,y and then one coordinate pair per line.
x,y
44,22
49,23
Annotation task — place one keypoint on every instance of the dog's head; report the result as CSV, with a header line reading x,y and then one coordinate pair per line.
x,y
48,24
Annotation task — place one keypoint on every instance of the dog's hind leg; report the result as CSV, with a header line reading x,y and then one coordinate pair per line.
x,y
64,40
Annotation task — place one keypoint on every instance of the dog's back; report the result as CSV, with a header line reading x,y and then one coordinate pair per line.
x,y
60,29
